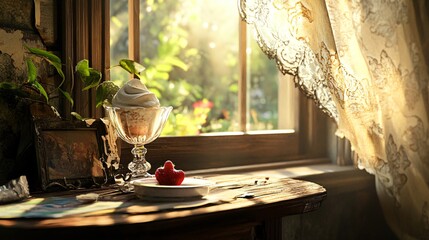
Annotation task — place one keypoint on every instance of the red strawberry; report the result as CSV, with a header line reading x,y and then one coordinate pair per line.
x,y
167,175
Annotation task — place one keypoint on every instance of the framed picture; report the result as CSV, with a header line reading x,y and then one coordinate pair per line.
x,y
70,154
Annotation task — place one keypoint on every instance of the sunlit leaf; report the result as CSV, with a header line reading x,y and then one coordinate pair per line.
x,y
156,92
43,53
105,91
150,73
191,52
156,84
161,75
41,89
131,66
67,96
164,67
77,116
183,42
177,62
92,80
233,88
31,71
147,61
116,21
165,49
82,67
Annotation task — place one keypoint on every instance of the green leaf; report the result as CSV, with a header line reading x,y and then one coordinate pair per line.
x,y
53,59
156,92
160,84
131,66
161,75
8,86
177,62
12,89
41,89
31,71
67,96
164,67
82,67
105,91
42,53
92,80
233,88
77,116
150,72
191,52
58,67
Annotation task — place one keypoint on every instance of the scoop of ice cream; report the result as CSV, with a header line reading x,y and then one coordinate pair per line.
x,y
134,94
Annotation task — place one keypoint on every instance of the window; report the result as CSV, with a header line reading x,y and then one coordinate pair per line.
x,y
193,52
296,135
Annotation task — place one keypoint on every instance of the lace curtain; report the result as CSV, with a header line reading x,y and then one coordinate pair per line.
x,y
363,62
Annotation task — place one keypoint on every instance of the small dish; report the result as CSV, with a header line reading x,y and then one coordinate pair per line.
x,y
191,188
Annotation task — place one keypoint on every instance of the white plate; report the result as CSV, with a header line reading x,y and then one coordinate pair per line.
x,y
149,188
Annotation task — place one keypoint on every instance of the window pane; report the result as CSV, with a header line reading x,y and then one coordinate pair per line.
x,y
272,98
190,49
263,84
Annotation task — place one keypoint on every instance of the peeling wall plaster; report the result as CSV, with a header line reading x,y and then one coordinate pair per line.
x,y
12,48
11,43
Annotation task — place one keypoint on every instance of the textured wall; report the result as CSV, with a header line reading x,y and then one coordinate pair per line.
x,y
17,14
16,30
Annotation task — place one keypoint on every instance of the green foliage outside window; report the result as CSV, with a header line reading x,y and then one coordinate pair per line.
x,y
190,51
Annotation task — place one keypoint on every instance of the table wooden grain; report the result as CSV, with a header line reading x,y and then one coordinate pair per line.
x,y
258,217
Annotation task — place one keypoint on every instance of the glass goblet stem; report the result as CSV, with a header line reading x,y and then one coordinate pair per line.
x,y
139,166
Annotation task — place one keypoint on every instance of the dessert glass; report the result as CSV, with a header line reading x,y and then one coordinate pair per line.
x,y
138,126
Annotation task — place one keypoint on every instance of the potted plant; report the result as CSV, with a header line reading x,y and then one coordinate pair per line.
x,y
22,101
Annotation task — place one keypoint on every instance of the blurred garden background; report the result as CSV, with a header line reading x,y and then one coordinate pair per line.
x,y
190,49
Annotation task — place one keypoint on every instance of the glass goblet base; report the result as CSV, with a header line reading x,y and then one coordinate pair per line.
x,y
139,167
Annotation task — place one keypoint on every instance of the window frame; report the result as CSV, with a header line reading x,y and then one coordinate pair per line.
x,y
85,34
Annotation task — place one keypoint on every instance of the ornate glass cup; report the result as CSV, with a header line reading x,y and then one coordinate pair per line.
x,y
138,126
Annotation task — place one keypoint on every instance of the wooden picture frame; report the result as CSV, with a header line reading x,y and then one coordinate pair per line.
x,y
70,154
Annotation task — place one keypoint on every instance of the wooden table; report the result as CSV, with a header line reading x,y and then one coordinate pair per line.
x,y
241,218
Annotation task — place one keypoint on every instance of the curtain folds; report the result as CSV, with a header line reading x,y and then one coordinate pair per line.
x,y
364,62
